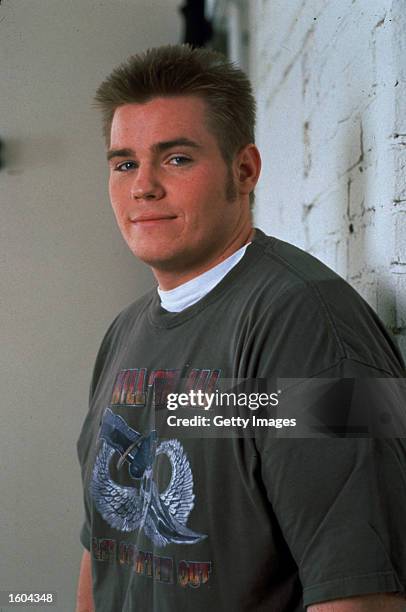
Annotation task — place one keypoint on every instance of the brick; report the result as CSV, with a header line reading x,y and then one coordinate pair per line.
x,y
400,238
331,84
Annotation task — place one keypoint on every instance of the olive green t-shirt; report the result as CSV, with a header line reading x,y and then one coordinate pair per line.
x,y
271,518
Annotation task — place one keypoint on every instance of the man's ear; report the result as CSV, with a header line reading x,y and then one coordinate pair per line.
x,y
247,167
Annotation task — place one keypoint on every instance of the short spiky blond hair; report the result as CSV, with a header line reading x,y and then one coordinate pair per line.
x,y
180,70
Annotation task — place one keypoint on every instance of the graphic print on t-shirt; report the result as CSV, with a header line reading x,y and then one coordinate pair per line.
x,y
162,516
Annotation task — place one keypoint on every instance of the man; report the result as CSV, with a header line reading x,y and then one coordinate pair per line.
x,y
246,522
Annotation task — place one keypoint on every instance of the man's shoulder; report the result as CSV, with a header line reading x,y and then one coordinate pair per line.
x,y
283,260
300,295
139,305
283,269
127,316
280,272
135,309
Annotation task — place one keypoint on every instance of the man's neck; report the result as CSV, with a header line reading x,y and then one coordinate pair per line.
x,y
170,279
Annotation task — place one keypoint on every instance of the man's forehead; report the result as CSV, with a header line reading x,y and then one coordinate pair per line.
x,y
158,120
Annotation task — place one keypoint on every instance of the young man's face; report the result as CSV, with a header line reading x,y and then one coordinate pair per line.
x,y
176,202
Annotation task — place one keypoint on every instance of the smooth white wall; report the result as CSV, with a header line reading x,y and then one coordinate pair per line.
x,y
65,269
330,79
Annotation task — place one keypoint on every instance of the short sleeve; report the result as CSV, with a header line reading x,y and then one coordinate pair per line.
x,y
341,506
337,481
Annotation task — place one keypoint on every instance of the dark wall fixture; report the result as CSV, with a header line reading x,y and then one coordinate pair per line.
x,y
198,30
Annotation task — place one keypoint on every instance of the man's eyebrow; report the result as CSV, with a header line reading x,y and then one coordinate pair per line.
x,y
158,147
119,153
176,142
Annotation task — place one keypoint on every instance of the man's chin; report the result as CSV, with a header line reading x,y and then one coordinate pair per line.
x,y
167,262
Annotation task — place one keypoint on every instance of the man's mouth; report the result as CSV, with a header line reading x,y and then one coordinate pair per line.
x,y
152,219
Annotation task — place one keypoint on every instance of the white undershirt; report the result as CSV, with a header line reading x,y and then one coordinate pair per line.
x,y
183,296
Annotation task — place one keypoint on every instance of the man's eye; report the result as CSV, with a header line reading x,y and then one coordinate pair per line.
x,y
179,160
124,166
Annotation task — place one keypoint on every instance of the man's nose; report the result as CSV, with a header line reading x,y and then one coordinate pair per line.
x,y
146,184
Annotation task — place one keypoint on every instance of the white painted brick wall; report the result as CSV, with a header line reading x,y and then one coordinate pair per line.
x,y
330,79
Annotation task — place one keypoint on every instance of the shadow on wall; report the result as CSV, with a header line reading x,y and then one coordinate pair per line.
x,y
32,152
359,213
389,306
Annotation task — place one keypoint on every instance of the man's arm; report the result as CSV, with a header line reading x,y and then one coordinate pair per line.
x,y
363,603
84,598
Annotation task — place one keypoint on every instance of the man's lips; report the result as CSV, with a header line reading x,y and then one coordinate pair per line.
x,y
152,218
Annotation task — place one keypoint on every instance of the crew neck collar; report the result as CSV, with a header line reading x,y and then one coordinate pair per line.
x,y
161,318
190,292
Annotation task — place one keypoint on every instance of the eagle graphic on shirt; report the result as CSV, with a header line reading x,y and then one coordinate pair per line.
x,y
162,516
